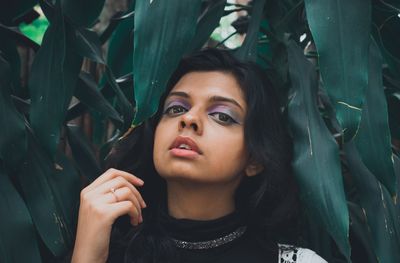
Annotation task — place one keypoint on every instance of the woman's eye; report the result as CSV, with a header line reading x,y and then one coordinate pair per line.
x,y
174,110
223,118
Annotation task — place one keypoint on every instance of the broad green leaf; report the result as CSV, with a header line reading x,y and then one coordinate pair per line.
x,y
13,143
18,241
162,32
82,13
208,21
88,45
52,81
83,153
341,31
88,93
376,202
316,161
248,50
120,51
373,136
39,192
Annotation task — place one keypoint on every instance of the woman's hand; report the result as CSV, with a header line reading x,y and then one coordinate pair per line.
x,y
110,196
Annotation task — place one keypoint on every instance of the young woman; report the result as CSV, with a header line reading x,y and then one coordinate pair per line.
x,y
207,179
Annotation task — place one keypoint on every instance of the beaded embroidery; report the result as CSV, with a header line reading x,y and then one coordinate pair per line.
x,y
211,243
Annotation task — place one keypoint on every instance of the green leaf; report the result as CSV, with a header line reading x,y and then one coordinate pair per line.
x,y
321,184
120,51
52,81
83,153
208,21
382,216
360,228
18,241
88,93
88,45
341,31
67,184
162,31
248,50
43,204
82,13
13,143
373,136
285,16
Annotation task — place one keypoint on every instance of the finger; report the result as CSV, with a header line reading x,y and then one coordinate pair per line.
x,y
116,183
123,208
112,173
123,194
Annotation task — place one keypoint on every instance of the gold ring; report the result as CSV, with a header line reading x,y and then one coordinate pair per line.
x,y
112,190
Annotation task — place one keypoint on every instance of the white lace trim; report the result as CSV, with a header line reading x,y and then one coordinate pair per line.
x,y
292,254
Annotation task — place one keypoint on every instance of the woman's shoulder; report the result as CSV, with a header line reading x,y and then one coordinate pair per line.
x,y
293,254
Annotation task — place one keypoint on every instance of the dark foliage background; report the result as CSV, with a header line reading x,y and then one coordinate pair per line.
x,y
336,65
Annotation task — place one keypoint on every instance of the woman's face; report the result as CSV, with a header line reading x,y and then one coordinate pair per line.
x,y
200,135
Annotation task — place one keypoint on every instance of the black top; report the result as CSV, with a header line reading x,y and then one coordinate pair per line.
x,y
249,247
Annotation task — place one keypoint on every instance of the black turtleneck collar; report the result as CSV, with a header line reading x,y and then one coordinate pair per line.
x,y
200,230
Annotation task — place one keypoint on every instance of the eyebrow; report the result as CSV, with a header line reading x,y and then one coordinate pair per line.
x,y
213,98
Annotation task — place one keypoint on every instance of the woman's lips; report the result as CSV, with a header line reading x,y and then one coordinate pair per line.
x,y
190,150
184,153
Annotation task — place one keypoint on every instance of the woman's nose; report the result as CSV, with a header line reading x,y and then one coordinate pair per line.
x,y
191,121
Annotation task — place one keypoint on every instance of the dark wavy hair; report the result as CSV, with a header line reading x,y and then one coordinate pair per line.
x,y
268,199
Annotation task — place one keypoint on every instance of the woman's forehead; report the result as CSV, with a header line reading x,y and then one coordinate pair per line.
x,y
205,85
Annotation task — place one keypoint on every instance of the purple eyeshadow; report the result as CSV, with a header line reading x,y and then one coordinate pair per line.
x,y
226,110
176,102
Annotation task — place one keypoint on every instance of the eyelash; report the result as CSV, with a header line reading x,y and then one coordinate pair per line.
x,y
230,119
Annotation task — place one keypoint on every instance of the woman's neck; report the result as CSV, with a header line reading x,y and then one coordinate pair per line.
x,y
199,202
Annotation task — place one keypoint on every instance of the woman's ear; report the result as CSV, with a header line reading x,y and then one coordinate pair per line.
x,y
253,168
